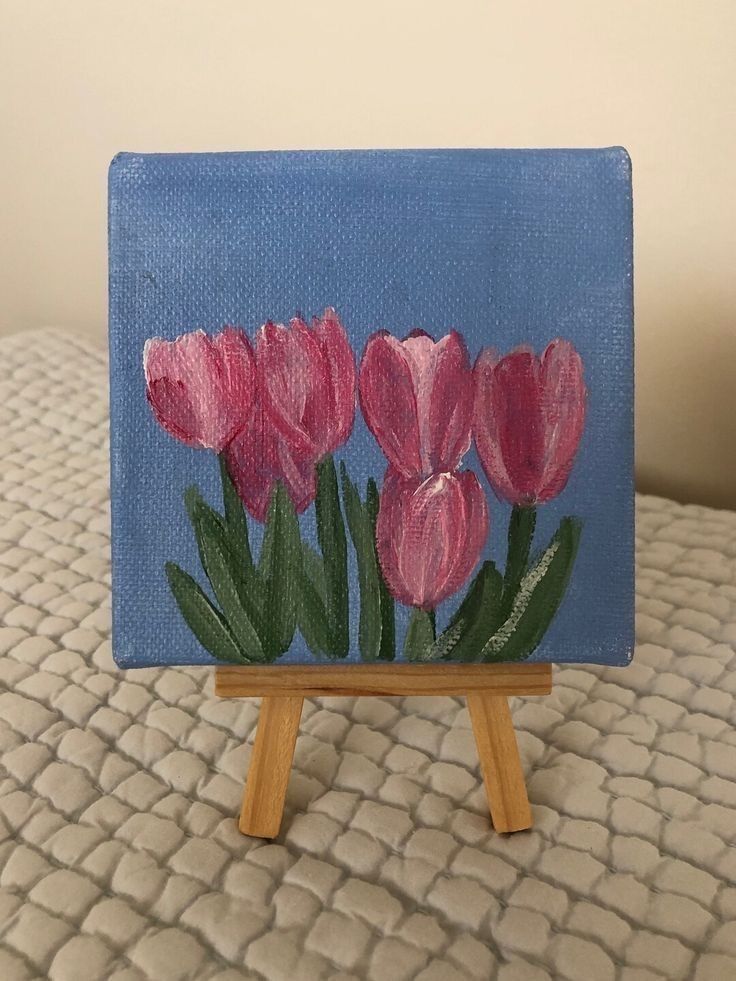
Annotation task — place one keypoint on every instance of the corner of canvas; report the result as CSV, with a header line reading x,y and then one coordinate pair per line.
x,y
621,161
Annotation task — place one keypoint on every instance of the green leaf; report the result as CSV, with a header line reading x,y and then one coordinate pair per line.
x,y
209,526
419,638
312,613
280,570
195,503
361,533
334,548
202,617
237,524
314,569
387,650
225,577
475,620
539,596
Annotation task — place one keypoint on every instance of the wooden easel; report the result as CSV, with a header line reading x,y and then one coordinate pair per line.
x,y
283,689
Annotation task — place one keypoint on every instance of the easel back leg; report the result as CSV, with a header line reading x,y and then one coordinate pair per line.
x,y
500,762
270,766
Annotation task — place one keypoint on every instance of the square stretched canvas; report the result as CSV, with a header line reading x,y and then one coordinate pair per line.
x,y
372,406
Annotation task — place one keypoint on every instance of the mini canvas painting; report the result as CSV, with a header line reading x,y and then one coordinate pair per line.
x,y
372,406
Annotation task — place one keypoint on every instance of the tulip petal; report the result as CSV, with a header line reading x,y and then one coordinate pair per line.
x,y
201,389
388,402
336,418
173,409
293,382
528,419
417,398
235,379
429,535
389,535
451,404
486,428
430,516
475,531
258,457
564,408
517,402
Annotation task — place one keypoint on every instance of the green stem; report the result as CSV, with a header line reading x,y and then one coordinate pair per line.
x,y
334,546
520,535
420,635
388,619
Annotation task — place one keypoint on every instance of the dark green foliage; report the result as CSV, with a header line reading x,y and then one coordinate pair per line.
x,y
312,612
520,534
279,573
225,575
475,620
419,639
377,632
538,599
203,619
256,612
257,607
505,619
334,548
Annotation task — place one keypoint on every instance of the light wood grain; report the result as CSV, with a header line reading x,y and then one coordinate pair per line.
x,y
284,689
384,679
270,766
499,761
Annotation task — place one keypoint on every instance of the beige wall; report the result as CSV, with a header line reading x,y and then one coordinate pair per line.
x,y
81,79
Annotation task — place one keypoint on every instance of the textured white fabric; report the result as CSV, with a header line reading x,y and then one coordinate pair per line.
x,y
119,853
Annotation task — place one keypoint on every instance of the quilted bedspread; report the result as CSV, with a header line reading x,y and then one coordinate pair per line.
x,y
119,852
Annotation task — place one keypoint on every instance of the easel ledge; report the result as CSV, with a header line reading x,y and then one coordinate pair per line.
x,y
283,689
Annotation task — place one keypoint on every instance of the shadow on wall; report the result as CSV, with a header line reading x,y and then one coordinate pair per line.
x,y
688,442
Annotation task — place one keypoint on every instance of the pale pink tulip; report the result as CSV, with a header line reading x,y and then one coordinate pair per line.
x,y
417,400
528,420
201,388
430,534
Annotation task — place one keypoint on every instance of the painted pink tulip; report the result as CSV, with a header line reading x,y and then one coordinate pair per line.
x,y
258,457
201,388
429,534
417,400
307,383
528,420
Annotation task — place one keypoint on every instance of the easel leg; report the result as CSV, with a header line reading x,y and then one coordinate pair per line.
x,y
270,766
500,762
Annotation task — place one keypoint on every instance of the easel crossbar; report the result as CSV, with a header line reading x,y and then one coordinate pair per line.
x,y
383,679
284,689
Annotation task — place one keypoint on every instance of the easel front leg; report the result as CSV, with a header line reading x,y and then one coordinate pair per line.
x,y
270,766
499,762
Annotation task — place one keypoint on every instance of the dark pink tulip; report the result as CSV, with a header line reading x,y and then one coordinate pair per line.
x,y
430,534
307,383
201,388
528,420
417,400
258,457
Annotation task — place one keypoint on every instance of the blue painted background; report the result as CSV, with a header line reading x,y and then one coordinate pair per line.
x,y
507,246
